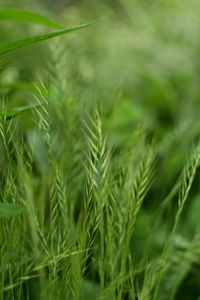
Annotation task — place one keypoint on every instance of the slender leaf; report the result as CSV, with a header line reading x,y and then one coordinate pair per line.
x,y
18,111
27,16
35,39
18,85
10,210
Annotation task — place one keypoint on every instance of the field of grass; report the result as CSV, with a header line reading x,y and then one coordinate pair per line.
x,y
100,150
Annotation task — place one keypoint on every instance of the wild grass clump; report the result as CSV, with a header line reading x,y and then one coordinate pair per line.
x,y
99,190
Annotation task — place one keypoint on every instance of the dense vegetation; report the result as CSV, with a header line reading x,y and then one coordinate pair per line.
x,y
99,150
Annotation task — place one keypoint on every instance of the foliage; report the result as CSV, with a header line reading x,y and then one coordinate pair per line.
x,y
100,153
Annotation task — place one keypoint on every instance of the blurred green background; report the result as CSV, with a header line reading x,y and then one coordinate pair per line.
x,y
140,62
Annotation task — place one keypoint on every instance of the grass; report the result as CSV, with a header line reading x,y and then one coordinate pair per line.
x,y
100,155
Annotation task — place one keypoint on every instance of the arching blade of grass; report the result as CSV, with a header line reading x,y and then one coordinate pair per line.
x,y
18,85
38,38
10,210
27,16
9,115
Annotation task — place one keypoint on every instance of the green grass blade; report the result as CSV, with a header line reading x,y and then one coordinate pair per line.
x,y
18,85
10,210
27,16
9,115
38,38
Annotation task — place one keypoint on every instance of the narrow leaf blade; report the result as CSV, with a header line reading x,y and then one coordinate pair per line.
x,y
9,115
10,210
38,38
27,16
